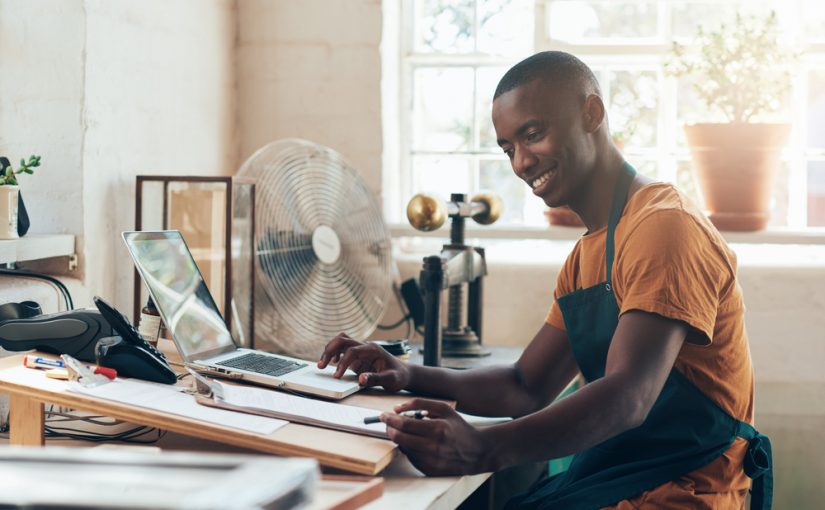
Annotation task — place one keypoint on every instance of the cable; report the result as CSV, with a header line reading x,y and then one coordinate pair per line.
x,y
67,297
55,429
395,324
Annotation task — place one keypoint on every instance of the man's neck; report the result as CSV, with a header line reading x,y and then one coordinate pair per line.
x,y
596,199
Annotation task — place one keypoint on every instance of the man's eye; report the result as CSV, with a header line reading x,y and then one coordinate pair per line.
x,y
509,153
532,136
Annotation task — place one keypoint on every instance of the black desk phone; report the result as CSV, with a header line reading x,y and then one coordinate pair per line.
x,y
129,353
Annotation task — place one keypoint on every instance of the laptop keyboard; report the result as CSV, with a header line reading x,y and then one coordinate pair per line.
x,y
261,364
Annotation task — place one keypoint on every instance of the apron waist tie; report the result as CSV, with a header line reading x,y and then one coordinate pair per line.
x,y
758,466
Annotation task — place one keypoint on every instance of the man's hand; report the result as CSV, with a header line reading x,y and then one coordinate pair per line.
x,y
441,444
375,366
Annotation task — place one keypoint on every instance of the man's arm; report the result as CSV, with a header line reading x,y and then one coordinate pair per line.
x,y
544,369
642,353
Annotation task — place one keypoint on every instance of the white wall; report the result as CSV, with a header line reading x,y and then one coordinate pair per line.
x,y
41,106
105,91
312,69
159,95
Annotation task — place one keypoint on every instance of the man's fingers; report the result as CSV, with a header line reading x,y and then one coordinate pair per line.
x,y
435,408
388,379
334,348
411,443
412,426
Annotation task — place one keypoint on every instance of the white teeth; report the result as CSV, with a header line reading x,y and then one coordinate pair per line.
x,y
540,180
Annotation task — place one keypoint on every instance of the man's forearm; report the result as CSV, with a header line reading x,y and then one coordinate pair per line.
x,y
593,414
488,391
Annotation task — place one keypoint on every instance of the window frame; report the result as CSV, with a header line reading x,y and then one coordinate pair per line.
x,y
649,54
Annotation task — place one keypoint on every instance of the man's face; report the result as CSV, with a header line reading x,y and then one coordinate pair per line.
x,y
540,128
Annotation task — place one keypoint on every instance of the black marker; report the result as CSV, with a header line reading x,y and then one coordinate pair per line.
x,y
418,415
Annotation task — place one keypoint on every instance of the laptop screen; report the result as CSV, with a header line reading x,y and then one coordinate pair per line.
x,y
177,287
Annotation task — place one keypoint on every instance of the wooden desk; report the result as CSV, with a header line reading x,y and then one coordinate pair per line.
x,y
30,389
404,486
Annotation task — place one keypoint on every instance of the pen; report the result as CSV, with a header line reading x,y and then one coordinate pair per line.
x,y
38,362
418,415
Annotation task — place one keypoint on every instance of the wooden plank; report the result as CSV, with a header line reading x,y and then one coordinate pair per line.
x,y
343,492
342,450
36,246
26,421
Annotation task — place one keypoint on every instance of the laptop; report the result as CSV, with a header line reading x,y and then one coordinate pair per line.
x,y
175,283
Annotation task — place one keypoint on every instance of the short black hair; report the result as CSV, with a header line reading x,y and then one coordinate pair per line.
x,y
555,67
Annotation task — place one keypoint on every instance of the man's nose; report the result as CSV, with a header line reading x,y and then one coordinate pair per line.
x,y
523,161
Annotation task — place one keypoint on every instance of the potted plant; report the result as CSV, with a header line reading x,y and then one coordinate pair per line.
x,y
743,72
10,196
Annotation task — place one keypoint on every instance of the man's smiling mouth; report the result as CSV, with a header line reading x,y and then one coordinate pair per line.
x,y
541,179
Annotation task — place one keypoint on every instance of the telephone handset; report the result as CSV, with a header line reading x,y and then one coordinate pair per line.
x,y
129,353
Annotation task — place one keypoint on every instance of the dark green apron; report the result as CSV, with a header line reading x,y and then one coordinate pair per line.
x,y
684,431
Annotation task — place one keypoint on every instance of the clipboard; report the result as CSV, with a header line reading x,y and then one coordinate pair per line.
x,y
289,407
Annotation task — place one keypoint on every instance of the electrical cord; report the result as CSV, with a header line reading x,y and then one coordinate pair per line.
x,y
67,296
56,420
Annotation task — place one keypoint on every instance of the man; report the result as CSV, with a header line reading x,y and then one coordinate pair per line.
x,y
647,307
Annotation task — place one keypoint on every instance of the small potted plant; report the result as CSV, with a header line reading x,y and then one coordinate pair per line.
x,y
743,72
10,195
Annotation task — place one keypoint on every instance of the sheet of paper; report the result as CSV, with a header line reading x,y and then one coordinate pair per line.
x,y
170,400
327,412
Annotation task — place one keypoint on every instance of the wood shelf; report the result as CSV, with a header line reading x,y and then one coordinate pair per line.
x,y
36,246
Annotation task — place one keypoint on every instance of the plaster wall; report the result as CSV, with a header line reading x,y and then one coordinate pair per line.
x,y
159,96
312,69
41,106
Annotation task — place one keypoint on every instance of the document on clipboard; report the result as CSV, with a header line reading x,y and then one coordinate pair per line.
x,y
284,406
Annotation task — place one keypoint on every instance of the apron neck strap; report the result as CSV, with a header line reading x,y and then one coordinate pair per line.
x,y
619,199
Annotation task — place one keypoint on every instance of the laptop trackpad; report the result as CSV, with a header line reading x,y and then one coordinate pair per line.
x,y
324,378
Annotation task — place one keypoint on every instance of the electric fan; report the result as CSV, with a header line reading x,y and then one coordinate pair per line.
x,y
322,250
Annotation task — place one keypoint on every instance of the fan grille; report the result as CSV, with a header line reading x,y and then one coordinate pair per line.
x,y
312,291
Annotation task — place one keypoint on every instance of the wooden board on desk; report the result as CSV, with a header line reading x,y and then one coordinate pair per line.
x,y
342,450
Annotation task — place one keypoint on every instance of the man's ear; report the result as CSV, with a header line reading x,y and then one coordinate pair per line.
x,y
593,113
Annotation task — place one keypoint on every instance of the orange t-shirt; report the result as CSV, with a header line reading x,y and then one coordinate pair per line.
x,y
671,261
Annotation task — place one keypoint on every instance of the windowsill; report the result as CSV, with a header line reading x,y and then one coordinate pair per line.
x,y
35,247
772,248
771,235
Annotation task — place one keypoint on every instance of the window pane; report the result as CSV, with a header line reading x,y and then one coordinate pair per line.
x,y
690,108
496,175
443,109
633,107
577,20
686,182
646,167
487,80
816,193
441,175
779,202
816,109
814,16
505,27
444,26
687,16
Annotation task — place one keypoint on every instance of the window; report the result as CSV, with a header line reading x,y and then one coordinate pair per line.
x,y
453,53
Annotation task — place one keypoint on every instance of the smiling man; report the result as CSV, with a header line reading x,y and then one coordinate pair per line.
x,y
647,307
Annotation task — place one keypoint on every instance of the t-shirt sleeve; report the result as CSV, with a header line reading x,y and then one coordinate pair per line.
x,y
565,283
668,265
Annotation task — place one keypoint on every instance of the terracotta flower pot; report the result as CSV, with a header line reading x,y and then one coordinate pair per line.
x,y
563,216
735,167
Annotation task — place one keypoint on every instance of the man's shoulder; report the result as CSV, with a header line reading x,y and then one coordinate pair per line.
x,y
662,206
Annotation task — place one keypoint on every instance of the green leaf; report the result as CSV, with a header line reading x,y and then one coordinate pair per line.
x,y
9,172
29,171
